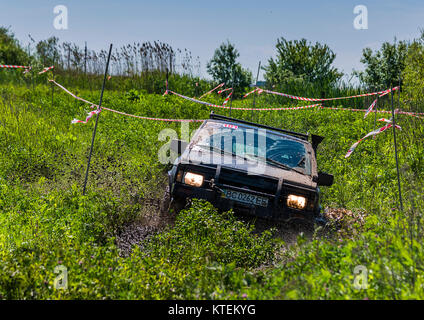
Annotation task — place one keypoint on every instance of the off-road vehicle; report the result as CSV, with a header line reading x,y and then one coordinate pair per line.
x,y
250,168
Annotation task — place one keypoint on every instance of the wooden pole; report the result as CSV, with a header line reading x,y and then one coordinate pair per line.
x,y
97,120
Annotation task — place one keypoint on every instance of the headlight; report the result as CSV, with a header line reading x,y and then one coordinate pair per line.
x,y
193,179
296,202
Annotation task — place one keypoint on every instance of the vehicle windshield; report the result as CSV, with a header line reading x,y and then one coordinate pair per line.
x,y
254,143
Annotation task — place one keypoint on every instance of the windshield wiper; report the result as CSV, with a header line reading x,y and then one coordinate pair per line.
x,y
222,151
282,165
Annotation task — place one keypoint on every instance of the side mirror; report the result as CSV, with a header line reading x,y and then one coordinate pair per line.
x,y
178,146
325,179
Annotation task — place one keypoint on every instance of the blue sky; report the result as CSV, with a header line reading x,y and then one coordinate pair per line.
x,y
200,26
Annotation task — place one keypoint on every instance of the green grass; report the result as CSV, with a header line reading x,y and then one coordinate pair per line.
x,y
45,220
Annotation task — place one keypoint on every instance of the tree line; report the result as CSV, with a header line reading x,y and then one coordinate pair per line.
x,y
299,66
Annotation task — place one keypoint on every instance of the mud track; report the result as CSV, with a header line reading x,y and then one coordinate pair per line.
x,y
154,219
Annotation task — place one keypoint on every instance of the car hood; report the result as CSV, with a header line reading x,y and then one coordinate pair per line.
x,y
250,166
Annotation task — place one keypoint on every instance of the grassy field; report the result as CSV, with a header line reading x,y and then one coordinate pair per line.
x,y
45,221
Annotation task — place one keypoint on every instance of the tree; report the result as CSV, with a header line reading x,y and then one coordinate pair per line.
x,y
298,61
223,67
10,50
48,51
384,67
413,74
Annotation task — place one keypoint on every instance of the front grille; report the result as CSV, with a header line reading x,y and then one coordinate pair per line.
x,y
251,182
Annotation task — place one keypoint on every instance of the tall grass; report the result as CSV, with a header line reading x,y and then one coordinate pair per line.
x,y
45,221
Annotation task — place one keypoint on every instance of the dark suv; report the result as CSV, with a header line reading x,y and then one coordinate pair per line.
x,y
251,168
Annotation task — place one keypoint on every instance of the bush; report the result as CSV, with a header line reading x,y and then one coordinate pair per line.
x,y
202,235
45,221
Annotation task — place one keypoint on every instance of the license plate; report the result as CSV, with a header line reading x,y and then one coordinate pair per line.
x,y
245,198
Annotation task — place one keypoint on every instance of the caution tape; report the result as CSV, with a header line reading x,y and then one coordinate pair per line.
x,y
381,93
209,92
371,107
227,98
372,133
27,68
249,93
221,91
413,114
218,106
90,115
385,120
13,66
99,109
116,111
285,108
46,69
244,109
274,109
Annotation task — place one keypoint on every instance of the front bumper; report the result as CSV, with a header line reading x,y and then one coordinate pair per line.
x,y
275,210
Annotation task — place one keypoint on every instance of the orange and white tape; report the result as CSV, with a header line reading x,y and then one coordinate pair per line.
x,y
381,93
93,105
46,69
209,92
372,133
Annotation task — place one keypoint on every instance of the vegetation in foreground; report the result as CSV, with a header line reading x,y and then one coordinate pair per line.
x,y
45,221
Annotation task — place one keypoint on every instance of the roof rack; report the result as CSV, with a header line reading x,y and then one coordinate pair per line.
x,y
296,134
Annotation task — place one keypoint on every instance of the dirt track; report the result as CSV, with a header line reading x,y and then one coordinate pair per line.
x,y
153,220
